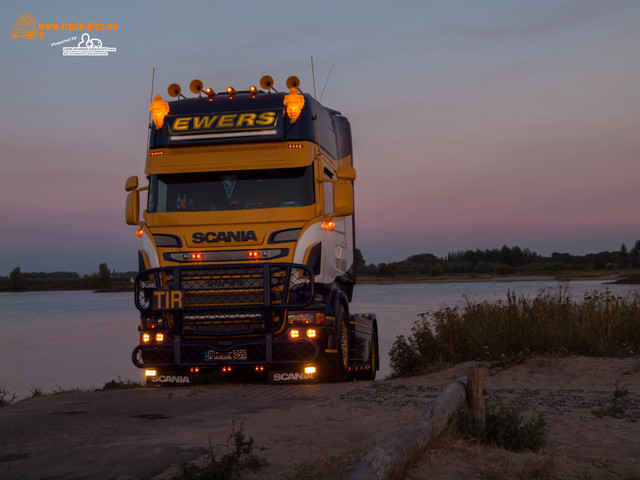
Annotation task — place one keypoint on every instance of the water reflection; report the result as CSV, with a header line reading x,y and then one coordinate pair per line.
x,y
78,339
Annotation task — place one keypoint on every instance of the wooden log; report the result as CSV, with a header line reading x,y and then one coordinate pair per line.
x,y
393,453
475,398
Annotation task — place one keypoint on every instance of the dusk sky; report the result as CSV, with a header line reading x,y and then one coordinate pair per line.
x,y
476,123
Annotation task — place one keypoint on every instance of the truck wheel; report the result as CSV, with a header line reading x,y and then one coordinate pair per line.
x,y
341,366
370,374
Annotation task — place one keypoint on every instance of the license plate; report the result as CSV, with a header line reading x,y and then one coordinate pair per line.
x,y
238,354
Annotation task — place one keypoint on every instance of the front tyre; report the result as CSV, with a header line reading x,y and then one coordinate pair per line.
x,y
341,364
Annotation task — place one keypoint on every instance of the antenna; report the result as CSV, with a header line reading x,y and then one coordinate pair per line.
x,y
325,82
315,98
153,78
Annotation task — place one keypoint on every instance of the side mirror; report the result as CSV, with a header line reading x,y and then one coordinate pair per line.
x,y
131,184
346,173
343,191
132,209
342,199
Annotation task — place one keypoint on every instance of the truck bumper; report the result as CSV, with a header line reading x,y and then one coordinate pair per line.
x,y
241,354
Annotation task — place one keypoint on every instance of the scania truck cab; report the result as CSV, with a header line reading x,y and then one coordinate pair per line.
x,y
246,261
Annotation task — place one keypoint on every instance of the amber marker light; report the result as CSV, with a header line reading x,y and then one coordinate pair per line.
x,y
231,91
294,102
329,225
196,256
253,254
159,110
210,93
139,232
295,146
253,90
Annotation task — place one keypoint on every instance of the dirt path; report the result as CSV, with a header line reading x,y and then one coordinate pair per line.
x,y
146,433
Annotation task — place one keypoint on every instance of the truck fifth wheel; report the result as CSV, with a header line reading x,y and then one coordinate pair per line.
x,y
247,255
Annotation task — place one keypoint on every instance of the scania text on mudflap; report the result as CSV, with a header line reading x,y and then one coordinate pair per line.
x,y
246,263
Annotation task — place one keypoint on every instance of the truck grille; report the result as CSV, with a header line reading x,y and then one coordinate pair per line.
x,y
224,300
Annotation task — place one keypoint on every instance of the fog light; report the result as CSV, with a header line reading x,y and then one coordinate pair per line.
x,y
309,370
294,334
312,333
146,338
150,372
159,337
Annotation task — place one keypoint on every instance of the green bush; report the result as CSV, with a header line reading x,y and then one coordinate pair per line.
x,y
602,324
5,397
505,428
617,408
120,384
240,459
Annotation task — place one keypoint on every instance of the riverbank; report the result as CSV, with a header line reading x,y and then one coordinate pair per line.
x,y
616,276
322,430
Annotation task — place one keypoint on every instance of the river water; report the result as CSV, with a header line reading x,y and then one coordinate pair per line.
x,y
52,341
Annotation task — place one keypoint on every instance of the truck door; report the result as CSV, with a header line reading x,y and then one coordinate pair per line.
x,y
334,242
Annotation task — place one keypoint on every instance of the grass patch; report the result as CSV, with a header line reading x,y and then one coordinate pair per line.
x,y
240,458
617,407
543,468
5,397
120,384
330,468
506,428
511,330
61,390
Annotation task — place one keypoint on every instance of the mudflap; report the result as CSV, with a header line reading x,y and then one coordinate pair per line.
x,y
293,375
169,378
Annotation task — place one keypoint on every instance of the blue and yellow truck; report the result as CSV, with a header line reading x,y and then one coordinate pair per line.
x,y
246,261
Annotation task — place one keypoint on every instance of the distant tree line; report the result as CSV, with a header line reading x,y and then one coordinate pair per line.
x,y
502,261
104,278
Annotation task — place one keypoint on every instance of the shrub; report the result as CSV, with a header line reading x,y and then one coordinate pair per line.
x,y
618,406
505,428
240,459
120,384
5,397
602,324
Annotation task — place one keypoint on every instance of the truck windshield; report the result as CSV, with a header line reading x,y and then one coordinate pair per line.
x,y
231,190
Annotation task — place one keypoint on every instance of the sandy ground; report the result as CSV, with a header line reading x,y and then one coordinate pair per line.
x,y
565,392
321,431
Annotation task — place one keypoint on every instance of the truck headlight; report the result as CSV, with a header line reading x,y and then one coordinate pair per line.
x,y
305,318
